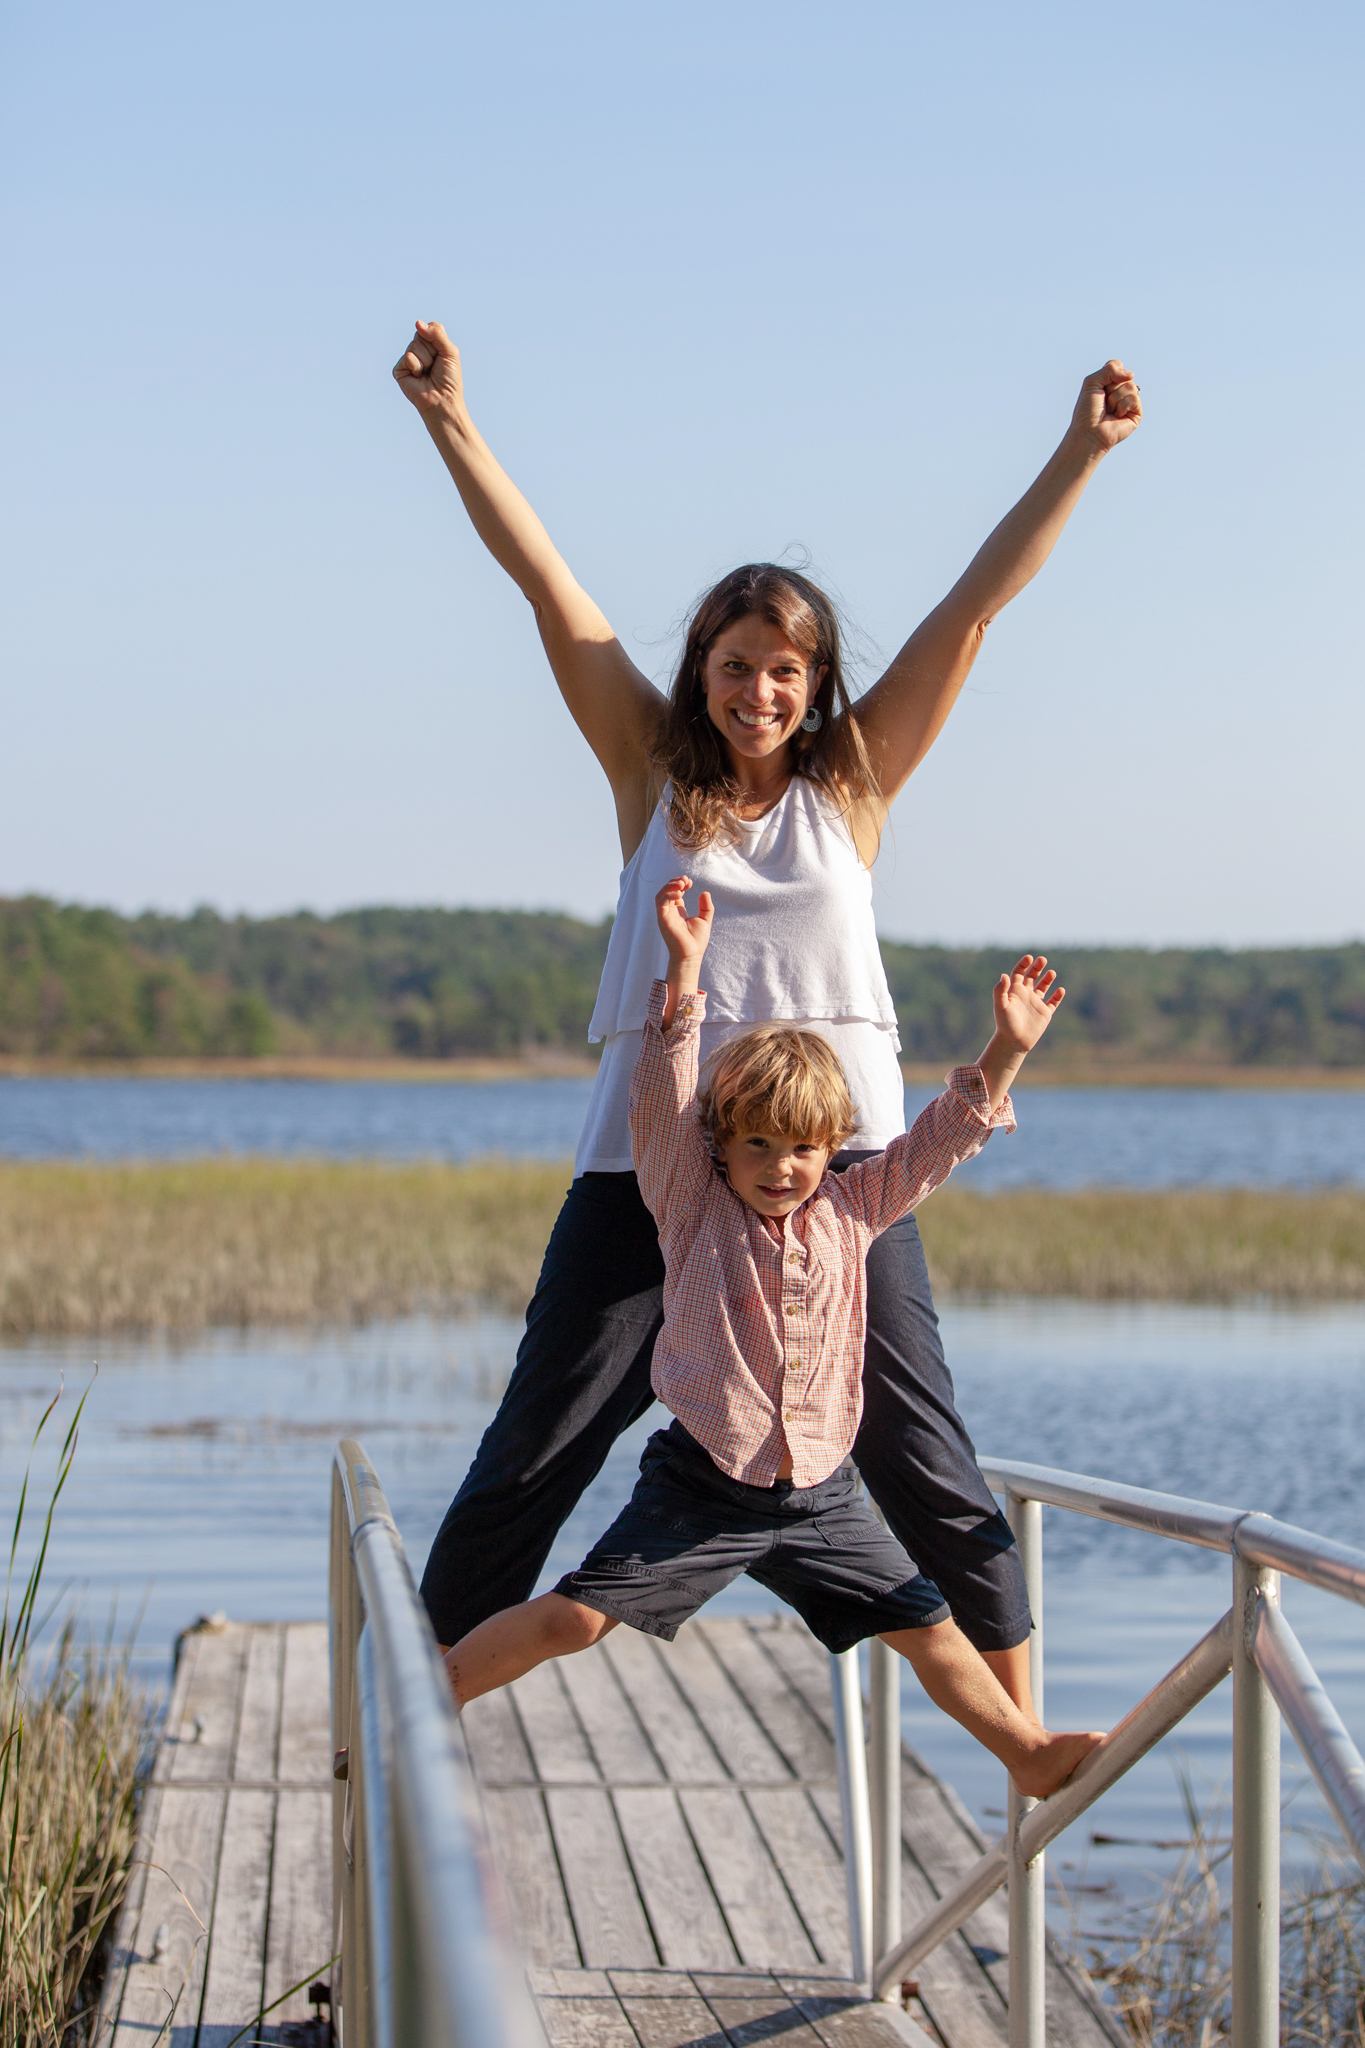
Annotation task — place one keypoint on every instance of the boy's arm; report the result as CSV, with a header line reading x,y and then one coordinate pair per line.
x,y
975,1103
672,1160
954,1127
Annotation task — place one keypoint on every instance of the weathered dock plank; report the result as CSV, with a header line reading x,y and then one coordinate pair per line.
x,y
604,1900
256,1757
165,1975
619,1742
683,1910
766,1927
232,1981
299,1937
230,1902
680,1742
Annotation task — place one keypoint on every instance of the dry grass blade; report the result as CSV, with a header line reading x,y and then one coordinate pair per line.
x,y
1322,1957
1169,1976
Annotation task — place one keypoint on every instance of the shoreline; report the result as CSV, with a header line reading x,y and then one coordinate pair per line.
x,y
565,1066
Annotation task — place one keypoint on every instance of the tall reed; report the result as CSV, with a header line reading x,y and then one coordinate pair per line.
x,y
73,1733
188,1244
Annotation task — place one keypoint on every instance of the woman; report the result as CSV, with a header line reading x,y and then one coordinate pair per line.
x,y
776,787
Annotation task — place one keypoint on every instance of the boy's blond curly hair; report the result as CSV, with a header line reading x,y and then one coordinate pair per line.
x,y
777,1079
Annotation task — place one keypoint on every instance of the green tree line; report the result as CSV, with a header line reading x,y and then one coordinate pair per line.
x,y
86,983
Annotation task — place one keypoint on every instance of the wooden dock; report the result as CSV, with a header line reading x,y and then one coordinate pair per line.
x,y
665,1820
666,1823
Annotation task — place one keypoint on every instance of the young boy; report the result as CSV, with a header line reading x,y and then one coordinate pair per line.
x,y
760,1356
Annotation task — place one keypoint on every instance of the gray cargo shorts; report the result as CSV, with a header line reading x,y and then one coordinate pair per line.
x,y
689,1530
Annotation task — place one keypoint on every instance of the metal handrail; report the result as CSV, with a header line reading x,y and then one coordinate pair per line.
x,y
1270,1672
1302,1698
417,1917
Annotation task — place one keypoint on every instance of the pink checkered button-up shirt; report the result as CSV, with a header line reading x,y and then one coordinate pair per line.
x,y
761,1351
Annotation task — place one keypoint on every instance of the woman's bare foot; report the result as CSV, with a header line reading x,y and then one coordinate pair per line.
x,y
1053,1761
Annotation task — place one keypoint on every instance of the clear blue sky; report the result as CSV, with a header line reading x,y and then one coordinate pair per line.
x,y
727,278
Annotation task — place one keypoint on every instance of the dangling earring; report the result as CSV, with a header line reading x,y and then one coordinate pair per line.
x,y
813,719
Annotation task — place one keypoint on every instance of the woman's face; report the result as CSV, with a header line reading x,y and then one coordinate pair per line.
x,y
758,686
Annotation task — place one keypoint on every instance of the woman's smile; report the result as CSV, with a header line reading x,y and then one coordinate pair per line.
x,y
758,685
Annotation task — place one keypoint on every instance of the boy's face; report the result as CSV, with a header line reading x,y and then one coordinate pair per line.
x,y
773,1172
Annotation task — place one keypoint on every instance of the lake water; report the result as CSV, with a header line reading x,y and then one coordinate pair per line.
x,y
1067,1137
201,1482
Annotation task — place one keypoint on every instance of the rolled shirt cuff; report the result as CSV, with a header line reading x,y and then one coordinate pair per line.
x,y
691,1010
969,1083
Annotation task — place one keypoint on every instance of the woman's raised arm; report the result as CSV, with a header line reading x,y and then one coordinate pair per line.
x,y
902,715
614,706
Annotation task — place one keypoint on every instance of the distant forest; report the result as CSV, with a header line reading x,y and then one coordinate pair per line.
x,y
88,984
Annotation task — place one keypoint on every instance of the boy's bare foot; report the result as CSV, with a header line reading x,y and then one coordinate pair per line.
x,y
1053,1761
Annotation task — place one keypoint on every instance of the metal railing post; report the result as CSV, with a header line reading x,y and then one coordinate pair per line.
x,y
1255,1821
885,1775
884,1771
374,1859
1027,1881
344,1618
851,1750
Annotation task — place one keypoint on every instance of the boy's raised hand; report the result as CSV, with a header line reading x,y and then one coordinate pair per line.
x,y
1025,1002
685,937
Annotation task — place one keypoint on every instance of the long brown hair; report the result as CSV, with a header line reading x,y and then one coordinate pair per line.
x,y
689,751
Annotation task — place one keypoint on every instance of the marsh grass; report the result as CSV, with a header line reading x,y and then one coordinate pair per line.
x,y
1168,1972
186,1245
74,1732
1112,1244
183,1246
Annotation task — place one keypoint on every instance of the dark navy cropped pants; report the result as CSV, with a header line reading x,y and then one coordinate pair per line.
x,y
582,1376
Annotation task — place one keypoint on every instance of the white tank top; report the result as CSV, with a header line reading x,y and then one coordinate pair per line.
x,y
794,940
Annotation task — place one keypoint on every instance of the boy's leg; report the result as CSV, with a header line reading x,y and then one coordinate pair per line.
x,y
958,1679
511,1643
685,1533
849,1578
919,1465
582,1376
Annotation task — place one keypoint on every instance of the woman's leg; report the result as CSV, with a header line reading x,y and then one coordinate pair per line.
x,y
582,1376
918,1463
